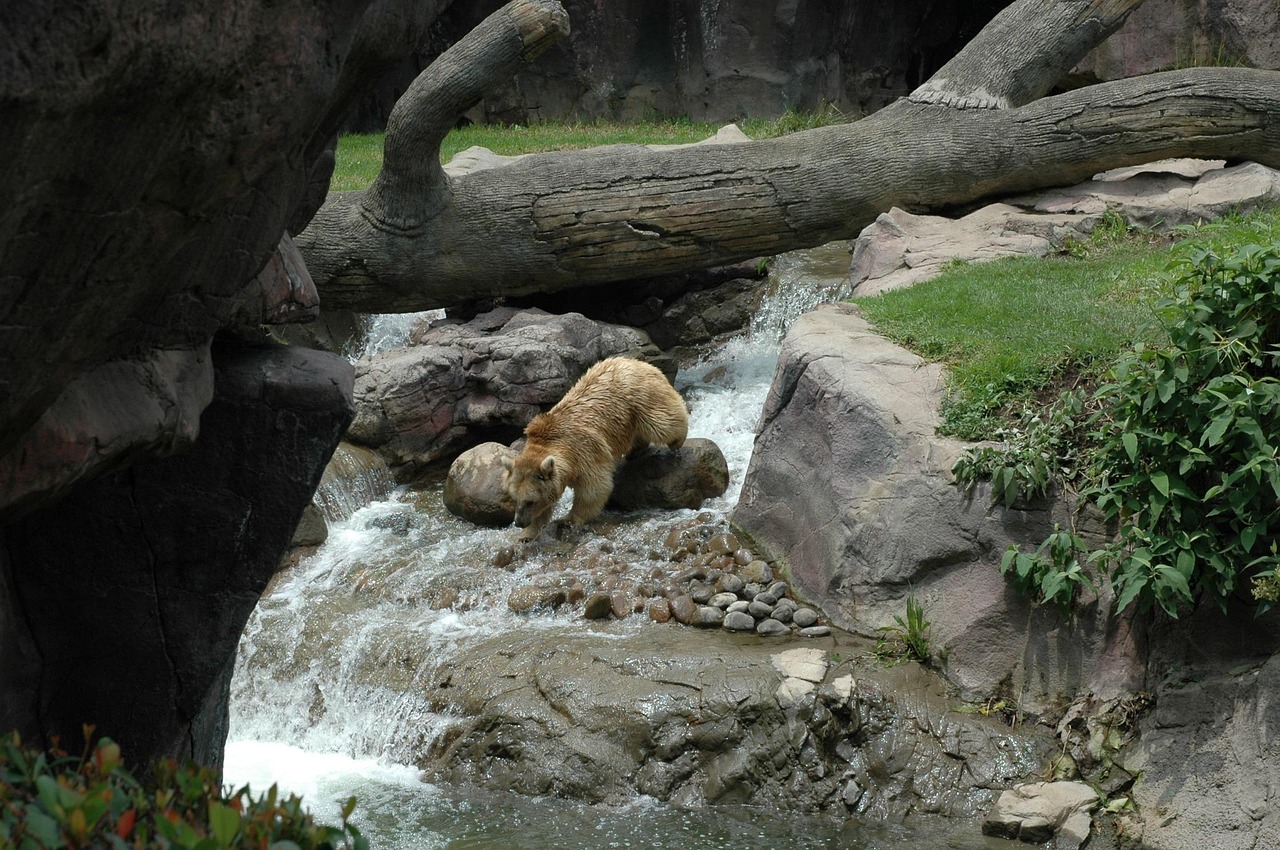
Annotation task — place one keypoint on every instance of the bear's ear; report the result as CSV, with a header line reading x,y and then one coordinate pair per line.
x,y
507,463
548,466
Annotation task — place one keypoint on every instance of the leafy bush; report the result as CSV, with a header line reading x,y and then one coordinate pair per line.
x,y
1183,452
55,800
1188,448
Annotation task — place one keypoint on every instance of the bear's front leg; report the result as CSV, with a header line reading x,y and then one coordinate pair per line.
x,y
536,523
589,500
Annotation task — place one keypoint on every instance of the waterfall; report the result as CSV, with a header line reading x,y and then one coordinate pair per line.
x,y
400,583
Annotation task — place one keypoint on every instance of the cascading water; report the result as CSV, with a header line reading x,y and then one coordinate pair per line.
x,y
329,696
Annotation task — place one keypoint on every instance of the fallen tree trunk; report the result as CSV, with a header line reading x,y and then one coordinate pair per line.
x,y
980,127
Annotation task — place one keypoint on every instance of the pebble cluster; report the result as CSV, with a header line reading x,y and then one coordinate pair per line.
x,y
705,578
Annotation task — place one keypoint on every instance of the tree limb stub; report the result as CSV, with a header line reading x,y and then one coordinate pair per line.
x,y
412,187
559,220
1023,52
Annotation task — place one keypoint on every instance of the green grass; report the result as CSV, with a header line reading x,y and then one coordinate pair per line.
x,y
1012,331
360,155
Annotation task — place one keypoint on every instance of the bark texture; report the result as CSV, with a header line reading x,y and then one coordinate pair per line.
x,y
980,127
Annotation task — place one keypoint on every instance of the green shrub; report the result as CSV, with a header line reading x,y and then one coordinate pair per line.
x,y
53,800
1188,443
1183,453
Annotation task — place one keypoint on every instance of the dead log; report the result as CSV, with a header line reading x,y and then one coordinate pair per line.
x,y
979,128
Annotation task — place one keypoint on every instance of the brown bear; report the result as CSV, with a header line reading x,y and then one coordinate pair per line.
x,y
618,406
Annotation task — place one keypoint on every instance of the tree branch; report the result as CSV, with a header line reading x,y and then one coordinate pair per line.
x,y
1023,52
412,187
558,220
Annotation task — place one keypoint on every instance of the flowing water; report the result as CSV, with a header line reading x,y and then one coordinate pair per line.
x,y
324,698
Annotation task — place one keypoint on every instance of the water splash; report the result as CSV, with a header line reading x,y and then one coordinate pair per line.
x,y
386,331
340,656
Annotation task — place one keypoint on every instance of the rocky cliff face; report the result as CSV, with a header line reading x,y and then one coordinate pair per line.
x,y
152,469
722,60
712,60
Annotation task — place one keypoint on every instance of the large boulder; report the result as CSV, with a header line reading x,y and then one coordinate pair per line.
x,y
462,383
665,479
851,488
122,604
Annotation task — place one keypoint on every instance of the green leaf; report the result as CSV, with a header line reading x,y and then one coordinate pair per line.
x,y
1247,538
43,827
224,821
1160,480
1130,592
1174,580
1217,429
1130,441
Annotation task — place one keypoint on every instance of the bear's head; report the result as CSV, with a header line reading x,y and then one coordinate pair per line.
x,y
532,484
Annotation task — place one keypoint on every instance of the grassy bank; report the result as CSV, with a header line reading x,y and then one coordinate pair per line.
x,y
360,156
1015,331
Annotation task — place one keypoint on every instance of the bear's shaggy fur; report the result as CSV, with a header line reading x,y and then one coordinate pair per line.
x,y
619,405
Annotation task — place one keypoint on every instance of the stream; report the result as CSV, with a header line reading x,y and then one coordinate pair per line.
x,y
329,699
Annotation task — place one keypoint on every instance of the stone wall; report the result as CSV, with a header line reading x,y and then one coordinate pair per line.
x,y
722,60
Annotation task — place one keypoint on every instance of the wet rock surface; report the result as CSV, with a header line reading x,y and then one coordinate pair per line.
x,y
700,718
696,578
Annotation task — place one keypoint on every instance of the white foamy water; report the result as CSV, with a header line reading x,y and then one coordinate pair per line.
x,y
386,331
331,689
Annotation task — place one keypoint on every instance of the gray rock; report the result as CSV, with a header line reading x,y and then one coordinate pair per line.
x,y
765,598
739,621
740,606
1036,811
815,631
778,590
834,480
758,572
901,249
807,664
783,611
804,617
701,592
709,617
419,404
723,600
731,584
202,531
1161,35
597,606
769,626
759,609
665,479
473,488
312,529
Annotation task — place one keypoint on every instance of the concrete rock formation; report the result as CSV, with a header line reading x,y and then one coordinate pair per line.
x,y
464,382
